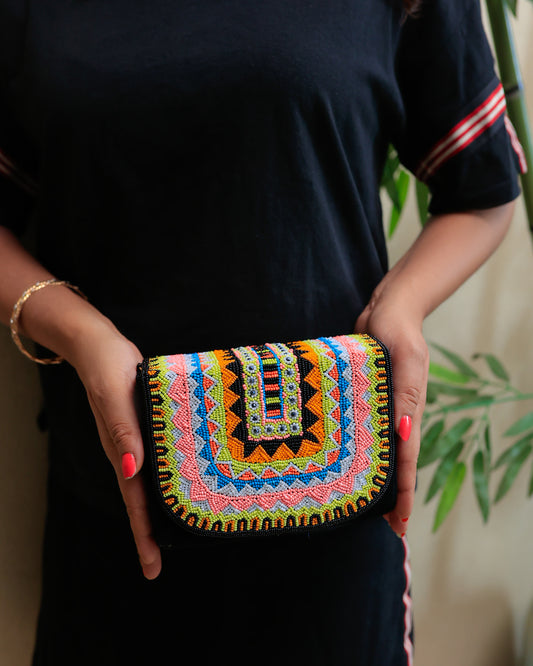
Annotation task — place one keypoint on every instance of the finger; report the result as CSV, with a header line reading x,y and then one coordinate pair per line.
x,y
406,480
134,497
409,370
407,456
116,406
398,518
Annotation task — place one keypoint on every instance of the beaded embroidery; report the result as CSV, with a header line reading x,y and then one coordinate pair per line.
x,y
270,437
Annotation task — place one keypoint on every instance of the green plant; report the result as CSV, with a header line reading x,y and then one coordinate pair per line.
x,y
457,426
457,430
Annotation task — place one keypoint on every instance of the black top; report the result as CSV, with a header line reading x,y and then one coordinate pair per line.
x,y
208,172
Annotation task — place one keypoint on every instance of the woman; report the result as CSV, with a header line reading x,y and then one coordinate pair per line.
x,y
208,175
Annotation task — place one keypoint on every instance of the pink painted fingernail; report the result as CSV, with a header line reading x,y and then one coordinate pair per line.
x,y
404,520
404,429
128,465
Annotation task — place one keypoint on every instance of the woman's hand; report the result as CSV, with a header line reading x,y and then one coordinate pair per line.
x,y
448,250
401,331
107,364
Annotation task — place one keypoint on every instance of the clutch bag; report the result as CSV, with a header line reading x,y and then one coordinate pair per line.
x,y
268,439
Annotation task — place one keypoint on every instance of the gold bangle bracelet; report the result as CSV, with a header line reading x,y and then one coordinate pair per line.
x,y
17,310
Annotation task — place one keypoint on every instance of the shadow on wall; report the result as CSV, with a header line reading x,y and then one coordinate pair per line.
x,y
527,649
22,503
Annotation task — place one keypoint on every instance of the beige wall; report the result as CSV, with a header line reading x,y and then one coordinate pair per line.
x,y
473,584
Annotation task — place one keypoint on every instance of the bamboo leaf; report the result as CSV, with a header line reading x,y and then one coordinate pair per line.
x,y
443,471
446,374
388,179
512,5
481,483
391,165
422,200
448,389
402,187
449,493
454,434
482,401
389,183
523,424
394,219
488,445
428,443
511,472
440,446
495,366
431,394
461,365
514,451
394,162
530,489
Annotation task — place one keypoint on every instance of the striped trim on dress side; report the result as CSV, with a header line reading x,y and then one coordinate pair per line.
x,y
9,169
464,133
517,146
408,605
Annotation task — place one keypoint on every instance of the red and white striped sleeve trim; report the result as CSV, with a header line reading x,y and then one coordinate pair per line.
x,y
9,169
464,133
517,146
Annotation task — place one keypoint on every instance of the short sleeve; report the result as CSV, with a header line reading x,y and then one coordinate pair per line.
x,y
456,136
17,158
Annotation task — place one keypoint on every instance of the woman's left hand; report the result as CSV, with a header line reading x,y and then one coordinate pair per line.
x,y
448,250
401,331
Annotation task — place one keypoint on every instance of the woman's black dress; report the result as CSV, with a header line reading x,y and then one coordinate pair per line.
x,y
208,173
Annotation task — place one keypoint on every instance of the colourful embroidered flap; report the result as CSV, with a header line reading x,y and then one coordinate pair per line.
x,y
272,437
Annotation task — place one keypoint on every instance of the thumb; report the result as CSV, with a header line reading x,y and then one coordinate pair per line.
x,y
362,322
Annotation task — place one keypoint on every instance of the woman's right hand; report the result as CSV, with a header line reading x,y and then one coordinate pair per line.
x,y
104,359
106,363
